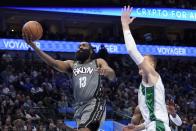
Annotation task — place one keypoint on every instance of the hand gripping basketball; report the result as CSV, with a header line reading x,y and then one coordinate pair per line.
x,y
32,31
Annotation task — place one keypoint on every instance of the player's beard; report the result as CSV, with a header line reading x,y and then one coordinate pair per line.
x,y
82,55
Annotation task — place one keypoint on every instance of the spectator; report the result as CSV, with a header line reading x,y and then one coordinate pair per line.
x,y
31,115
103,53
63,103
5,90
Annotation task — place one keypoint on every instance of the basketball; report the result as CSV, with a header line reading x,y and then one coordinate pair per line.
x,y
33,29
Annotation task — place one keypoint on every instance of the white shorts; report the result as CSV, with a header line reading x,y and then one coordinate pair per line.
x,y
157,126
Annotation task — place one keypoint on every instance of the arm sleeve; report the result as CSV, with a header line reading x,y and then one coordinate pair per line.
x,y
177,120
132,48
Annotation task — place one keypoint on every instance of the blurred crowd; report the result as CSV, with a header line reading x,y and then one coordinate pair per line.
x,y
36,97
29,98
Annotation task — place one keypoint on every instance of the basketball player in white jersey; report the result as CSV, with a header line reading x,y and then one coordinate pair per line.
x,y
137,117
151,94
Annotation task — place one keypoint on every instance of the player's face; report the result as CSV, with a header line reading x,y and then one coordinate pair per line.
x,y
83,52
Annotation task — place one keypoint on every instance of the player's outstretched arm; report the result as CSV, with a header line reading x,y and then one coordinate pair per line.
x,y
62,66
131,45
132,127
105,70
173,113
137,116
135,121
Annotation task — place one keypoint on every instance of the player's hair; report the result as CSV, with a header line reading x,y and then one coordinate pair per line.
x,y
93,55
153,59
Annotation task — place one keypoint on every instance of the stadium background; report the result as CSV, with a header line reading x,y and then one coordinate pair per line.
x,y
35,96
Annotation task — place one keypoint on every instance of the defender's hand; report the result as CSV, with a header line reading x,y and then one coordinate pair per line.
x,y
125,17
171,107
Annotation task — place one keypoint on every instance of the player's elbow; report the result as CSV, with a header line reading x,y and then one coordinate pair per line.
x,y
113,76
130,48
179,124
129,51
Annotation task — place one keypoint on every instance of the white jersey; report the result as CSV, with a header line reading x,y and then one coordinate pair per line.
x,y
151,101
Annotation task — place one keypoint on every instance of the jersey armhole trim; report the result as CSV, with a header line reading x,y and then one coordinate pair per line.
x,y
96,63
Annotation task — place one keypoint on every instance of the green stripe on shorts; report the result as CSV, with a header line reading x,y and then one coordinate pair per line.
x,y
150,102
160,126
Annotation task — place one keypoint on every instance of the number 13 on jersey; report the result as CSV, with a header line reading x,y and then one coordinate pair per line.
x,y
82,81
